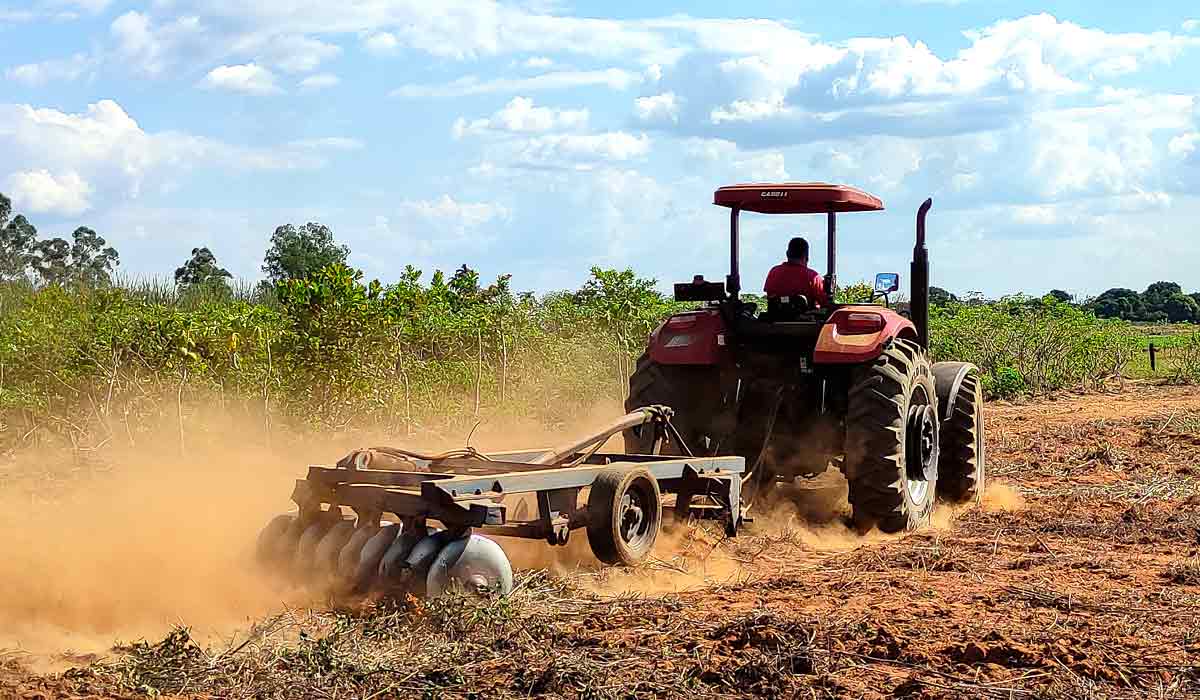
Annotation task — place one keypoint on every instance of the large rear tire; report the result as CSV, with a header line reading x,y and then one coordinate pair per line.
x,y
962,464
693,392
892,440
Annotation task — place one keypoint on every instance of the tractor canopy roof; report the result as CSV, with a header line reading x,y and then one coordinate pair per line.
x,y
795,198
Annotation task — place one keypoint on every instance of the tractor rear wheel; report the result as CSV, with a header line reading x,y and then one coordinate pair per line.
x,y
693,392
961,468
892,440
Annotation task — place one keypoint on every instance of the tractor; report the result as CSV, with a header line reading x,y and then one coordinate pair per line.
x,y
807,385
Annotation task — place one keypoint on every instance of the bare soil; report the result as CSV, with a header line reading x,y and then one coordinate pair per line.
x,y
1079,577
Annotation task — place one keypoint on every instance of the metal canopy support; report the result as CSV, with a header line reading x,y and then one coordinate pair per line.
x,y
831,257
734,282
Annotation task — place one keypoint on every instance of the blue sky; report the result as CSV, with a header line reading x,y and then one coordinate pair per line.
x,y
1060,141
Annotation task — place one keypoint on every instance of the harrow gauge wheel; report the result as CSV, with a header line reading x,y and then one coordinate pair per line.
x,y
624,516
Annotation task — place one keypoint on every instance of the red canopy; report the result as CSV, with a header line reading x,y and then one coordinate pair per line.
x,y
795,198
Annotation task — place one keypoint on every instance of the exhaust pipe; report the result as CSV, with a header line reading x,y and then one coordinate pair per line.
x,y
919,280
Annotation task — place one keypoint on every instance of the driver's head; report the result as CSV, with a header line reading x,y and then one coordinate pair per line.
x,y
797,250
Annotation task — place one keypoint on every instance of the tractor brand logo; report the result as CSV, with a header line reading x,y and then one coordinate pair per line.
x,y
774,193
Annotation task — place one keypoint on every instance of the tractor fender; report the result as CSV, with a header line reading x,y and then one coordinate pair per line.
x,y
690,338
948,378
858,334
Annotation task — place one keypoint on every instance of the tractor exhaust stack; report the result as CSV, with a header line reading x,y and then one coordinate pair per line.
x,y
920,279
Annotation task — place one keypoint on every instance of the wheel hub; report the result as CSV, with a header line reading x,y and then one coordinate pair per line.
x,y
920,450
632,517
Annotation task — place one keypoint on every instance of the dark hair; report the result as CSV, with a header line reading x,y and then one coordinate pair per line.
x,y
797,249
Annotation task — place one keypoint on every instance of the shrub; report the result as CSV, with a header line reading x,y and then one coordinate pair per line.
x,y
1024,345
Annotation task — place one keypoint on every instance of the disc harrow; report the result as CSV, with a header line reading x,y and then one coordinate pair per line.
x,y
391,521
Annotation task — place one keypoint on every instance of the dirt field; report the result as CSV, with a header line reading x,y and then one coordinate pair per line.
x,y
1078,578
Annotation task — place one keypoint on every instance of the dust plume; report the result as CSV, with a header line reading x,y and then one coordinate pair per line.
x,y
123,544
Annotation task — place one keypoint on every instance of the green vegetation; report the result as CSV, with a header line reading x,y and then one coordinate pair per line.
x,y
88,357
1033,346
1162,302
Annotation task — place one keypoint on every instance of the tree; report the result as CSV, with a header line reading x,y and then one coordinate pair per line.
x,y
87,260
1156,295
17,240
52,261
1119,302
940,297
1060,296
1181,308
92,260
298,253
201,269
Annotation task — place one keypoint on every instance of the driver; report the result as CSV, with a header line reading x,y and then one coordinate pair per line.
x,y
794,277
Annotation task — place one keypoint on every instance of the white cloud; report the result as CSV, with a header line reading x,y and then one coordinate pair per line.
x,y
334,143
1184,145
522,116
1191,25
248,79
38,74
453,213
662,108
382,43
103,154
150,48
614,78
320,81
580,151
41,191
292,53
540,62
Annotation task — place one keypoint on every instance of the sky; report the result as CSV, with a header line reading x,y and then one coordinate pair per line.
x,y
1059,141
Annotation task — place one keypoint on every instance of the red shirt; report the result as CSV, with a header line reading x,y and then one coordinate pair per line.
x,y
795,279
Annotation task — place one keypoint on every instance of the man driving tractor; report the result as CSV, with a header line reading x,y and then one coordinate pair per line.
x,y
795,278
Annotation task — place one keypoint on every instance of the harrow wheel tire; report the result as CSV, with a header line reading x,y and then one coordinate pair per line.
x,y
962,465
892,440
624,516
693,392
266,548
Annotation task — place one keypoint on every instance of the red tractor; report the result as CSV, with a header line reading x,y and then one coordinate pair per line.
x,y
802,385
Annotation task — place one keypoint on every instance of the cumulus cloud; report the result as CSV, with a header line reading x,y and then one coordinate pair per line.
x,y
614,78
522,116
320,81
247,79
68,162
148,47
38,74
657,109
40,191
580,151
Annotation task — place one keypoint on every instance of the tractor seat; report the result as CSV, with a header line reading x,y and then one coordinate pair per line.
x,y
785,309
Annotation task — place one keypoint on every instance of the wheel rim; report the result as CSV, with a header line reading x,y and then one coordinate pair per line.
x,y
634,519
920,447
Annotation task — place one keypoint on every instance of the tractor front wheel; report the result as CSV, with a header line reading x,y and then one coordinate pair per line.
x,y
892,440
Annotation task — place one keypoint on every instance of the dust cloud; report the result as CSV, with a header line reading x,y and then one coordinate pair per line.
x,y
148,536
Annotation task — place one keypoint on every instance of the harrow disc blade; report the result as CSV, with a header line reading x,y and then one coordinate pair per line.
x,y
325,560
306,549
372,553
474,564
347,563
267,546
420,560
